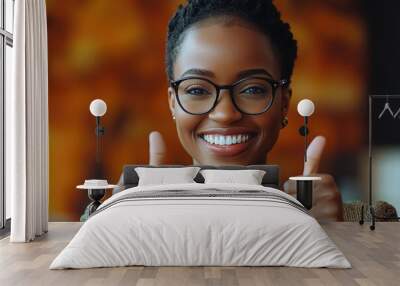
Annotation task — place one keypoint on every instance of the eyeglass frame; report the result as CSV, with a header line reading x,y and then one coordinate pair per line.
x,y
274,83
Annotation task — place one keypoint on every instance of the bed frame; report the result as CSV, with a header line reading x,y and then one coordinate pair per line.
x,y
129,178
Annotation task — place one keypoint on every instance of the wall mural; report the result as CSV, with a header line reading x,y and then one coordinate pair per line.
x,y
115,51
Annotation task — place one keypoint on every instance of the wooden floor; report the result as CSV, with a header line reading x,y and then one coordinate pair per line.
x,y
374,255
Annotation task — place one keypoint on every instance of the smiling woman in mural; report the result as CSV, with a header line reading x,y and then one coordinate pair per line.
x,y
229,64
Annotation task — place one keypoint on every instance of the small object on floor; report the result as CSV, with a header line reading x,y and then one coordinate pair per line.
x,y
385,210
353,211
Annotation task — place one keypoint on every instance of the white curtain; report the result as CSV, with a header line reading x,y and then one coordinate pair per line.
x,y
27,124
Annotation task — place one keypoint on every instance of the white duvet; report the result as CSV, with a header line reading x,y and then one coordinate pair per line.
x,y
206,230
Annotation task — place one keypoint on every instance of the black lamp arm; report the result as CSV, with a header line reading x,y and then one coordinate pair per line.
x,y
305,137
100,130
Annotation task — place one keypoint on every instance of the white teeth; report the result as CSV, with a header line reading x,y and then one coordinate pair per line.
x,y
225,140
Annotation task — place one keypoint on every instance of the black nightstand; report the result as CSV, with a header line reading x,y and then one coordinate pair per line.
x,y
305,189
95,192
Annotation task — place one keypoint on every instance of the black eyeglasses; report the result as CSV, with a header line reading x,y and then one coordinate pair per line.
x,y
252,95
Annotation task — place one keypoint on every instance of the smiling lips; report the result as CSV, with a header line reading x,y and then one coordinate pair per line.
x,y
227,142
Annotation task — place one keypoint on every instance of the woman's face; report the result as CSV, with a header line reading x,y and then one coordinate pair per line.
x,y
225,51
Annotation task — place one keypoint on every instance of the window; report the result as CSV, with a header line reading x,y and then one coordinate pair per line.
x,y
6,62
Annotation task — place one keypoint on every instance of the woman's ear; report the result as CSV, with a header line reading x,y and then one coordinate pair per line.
x,y
171,100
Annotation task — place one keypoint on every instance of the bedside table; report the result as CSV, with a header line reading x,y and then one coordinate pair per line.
x,y
305,189
95,193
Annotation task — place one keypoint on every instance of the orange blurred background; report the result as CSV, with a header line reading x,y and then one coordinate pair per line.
x,y
114,50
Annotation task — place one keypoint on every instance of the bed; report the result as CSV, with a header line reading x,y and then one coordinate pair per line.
x,y
201,224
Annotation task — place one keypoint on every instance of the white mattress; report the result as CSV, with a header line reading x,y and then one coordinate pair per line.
x,y
190,230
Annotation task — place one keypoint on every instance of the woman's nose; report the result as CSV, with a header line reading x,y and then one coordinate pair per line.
x,y
225,111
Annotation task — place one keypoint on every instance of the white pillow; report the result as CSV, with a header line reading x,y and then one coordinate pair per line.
x,y
248,177
162,176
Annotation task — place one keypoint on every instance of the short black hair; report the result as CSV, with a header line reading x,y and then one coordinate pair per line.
x,y
263,14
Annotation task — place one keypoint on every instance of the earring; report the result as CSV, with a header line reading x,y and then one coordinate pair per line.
x,y
173,117
285,121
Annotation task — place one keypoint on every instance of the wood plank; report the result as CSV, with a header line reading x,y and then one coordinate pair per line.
x,y
375,257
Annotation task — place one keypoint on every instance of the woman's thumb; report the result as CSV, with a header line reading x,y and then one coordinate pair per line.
x,y
157,149
314,154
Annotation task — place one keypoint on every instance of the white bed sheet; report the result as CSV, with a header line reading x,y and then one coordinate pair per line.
x,y
192,231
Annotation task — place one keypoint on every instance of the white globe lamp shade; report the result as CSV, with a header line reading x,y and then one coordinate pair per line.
x,y
305,107
98,107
